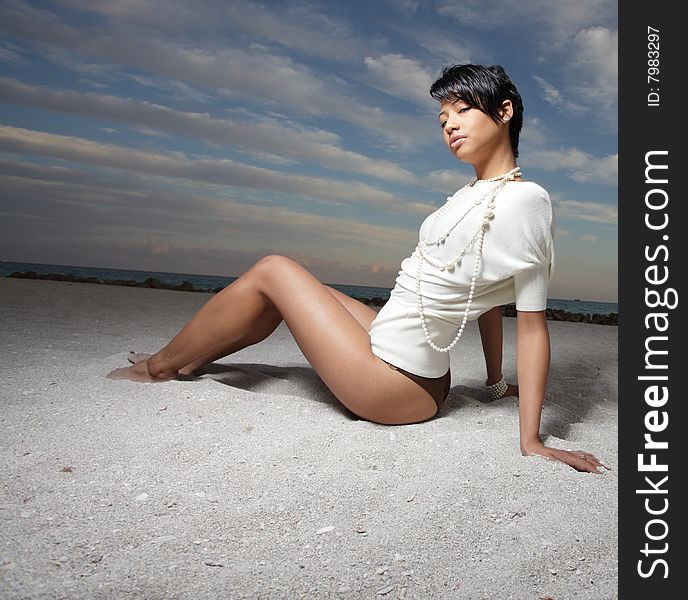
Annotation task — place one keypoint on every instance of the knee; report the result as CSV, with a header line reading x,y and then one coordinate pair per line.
x,y
272,259
272,263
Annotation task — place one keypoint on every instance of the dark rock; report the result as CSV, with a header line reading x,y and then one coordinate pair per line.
x,y
185,286
152,282
26,275
126,282
59,277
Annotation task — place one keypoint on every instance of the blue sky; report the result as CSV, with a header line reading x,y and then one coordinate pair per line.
x,y
197,137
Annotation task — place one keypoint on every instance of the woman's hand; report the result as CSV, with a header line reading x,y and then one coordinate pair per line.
x,y
578,459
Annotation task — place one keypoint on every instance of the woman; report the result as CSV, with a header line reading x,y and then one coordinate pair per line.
x,y
490,244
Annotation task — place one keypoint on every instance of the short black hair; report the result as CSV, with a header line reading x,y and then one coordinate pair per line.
x,y
484,88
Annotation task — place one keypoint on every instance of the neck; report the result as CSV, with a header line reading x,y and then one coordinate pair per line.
x,y
498,164
510,175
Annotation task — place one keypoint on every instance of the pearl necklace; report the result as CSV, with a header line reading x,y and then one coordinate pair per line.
x,y
479,236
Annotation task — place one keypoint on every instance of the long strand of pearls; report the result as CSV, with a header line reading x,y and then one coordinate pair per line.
x,y
479,236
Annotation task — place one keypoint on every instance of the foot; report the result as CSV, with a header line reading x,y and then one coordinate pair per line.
x,y
511,390
138,372
137,357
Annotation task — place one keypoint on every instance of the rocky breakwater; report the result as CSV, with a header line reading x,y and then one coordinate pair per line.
x,y
152,282
563,315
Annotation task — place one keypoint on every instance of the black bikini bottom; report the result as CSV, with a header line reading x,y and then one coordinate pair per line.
x,y
437,387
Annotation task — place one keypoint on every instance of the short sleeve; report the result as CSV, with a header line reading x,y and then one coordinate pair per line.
x,y
531,288
533,227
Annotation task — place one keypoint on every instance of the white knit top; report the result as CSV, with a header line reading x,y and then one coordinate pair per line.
x,y
517,262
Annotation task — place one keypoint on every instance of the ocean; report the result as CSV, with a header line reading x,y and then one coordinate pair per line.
x,y
210,282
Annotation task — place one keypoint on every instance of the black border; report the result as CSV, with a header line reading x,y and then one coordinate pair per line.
x,y
644,128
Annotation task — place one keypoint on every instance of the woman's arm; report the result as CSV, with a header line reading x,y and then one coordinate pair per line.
x,y
491,335
532,366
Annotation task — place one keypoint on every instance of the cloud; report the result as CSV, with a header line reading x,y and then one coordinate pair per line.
x,y
407,7
144,130
301,26
207,170
444,50
256,133
256,74
177,90
158,246
579,39
447,181
11,54
591,74
80,205
534,133
595,212
99,85
555,97
588,77
304,98
30,170
578,165
547,21
400,76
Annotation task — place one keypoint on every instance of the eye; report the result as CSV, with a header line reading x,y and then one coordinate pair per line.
x,y
464,109
442,124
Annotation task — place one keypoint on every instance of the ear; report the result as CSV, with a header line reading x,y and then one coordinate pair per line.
x,y
507,111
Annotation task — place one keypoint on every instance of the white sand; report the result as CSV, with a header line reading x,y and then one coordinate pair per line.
x,y
255,482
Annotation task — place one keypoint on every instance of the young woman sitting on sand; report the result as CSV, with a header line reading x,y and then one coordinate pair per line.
x,y
490,244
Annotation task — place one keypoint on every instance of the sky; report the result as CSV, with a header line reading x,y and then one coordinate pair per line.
x,y
197,137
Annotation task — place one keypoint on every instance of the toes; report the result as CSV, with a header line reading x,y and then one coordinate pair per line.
x,y
136,357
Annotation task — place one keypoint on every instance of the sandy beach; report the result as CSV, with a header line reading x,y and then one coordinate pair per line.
x,y
253,481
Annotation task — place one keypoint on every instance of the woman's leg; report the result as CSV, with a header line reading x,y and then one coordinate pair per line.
x,y
266,325
335,343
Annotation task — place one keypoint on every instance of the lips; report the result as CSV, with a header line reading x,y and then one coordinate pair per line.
x,y
455,141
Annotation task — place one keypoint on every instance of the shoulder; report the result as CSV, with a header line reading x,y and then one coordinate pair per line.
x,y
528,190
526,197
526,206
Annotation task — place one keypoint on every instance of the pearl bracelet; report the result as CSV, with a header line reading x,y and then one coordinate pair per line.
x,y
497,390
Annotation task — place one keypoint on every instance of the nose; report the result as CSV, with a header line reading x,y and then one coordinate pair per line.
x,y
451,124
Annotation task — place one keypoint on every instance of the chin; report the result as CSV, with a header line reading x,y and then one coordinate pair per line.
x,y
460,155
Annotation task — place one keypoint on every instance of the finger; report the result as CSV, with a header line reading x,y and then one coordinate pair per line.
x,y
582,464
592,458
597,463
587,466
579,462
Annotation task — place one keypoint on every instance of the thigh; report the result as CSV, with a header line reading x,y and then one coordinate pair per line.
x,y
437,387
360,311
338,346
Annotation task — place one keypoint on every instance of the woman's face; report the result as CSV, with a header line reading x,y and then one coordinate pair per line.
x,y
470,134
